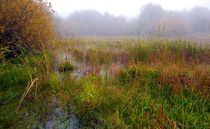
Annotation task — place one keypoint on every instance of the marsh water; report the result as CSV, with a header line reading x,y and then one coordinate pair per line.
x,y
57,118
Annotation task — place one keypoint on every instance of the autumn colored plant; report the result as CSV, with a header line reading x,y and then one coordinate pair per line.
x,y
24,24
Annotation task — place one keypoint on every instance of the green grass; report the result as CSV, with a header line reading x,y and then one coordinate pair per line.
x,y
161,84
164,84
66,66
15,74
136,100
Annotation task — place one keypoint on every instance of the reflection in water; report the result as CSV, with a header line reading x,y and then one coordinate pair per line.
x,y
83,68
58,119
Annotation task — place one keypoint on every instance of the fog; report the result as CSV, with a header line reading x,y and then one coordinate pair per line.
x,y
128,8
151,19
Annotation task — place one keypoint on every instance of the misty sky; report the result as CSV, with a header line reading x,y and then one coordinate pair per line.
x,y
128,8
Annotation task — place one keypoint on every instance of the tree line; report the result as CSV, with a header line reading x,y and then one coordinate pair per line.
x,y
152,19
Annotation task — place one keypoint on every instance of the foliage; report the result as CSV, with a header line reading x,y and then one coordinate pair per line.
x,y
24,24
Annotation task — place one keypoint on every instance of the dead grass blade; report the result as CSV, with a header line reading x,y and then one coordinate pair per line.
x,y
30,85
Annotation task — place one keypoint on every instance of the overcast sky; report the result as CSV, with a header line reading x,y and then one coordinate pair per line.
x,y
128,8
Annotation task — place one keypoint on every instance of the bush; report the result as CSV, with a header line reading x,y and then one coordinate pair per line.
x,y
24,24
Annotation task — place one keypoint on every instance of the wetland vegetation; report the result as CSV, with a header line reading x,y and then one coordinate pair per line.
x,y
112,83
120,82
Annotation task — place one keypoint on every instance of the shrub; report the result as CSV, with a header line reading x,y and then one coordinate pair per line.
x,y
24,24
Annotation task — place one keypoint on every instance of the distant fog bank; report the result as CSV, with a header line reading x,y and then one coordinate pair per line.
x,y
152,20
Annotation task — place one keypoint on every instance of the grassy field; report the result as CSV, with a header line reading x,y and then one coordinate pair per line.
x,y
110,83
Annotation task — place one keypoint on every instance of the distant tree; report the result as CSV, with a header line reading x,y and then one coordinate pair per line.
x,y
169,26
152,19
60,27
199,19
149,13
85,22
25,23
91,23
